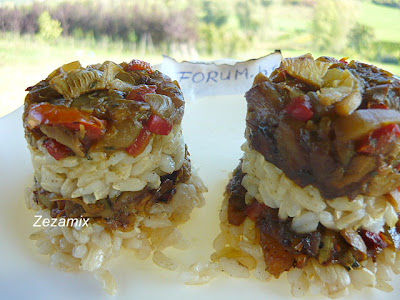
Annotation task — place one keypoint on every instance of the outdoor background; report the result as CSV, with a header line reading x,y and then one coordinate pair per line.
x,y
38,36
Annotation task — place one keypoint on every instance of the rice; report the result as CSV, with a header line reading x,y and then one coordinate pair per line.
x,y
200,273
335,281
269,185
164,261
90,248
238,249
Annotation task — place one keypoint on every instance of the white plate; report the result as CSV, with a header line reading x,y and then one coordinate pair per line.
x,y
213,129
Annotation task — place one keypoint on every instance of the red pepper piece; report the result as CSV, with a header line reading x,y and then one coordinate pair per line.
x,y
236,210
138,65
70,117
138,92
366,146
378,139
140,143
373,240
344,60
300,108
56,149
159,125
378,106
255,210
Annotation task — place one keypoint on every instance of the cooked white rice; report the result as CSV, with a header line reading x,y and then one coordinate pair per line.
x,y
269,185
103,175
238,251
238,247
89,248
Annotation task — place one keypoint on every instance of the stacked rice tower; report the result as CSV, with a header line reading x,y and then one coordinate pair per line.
x,y
107,146
316,192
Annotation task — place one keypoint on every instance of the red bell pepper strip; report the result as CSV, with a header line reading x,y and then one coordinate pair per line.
x,y
140,143
378,106
56,149
159,125
138,65
70,117
138,92
378,138
300,109
156,125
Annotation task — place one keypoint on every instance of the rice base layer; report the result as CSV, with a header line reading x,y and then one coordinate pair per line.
x,y
240,245
269,185
97,176
100,175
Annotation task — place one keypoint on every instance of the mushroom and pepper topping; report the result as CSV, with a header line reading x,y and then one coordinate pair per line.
x,y
329,123
103,107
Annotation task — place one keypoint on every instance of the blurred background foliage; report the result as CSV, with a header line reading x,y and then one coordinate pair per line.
x,y
37,36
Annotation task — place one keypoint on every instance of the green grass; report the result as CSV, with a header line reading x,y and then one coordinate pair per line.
x,y
383,19
31,50
24,61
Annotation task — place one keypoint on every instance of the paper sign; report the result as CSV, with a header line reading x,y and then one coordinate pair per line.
x,y
198,79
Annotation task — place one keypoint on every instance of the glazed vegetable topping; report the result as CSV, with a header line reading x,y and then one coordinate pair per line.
x,y
102,107
328,123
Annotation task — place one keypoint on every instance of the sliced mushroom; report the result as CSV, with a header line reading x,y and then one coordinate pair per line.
x,y
351,102
337,85
77,82
160,105
307,69
64,136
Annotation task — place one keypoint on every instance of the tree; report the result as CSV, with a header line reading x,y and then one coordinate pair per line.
x,y
49,29
331,24
361,38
